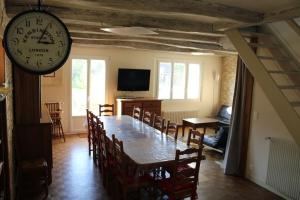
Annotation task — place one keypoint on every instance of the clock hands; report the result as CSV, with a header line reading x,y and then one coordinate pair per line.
x,y
43,33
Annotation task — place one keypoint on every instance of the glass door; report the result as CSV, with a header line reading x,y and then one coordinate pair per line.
x,y
88,90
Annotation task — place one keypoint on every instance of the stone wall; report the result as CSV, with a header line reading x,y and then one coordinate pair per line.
x,y
229,64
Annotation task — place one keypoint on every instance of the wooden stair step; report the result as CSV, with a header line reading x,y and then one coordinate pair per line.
x,y
289,87
284,72
273,58
271,46
257,34
295,104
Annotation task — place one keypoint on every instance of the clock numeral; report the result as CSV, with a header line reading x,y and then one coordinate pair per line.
x,y
39,21
20,30
58,33
27,59
61,44
38,63
58,53
15,41
19,52
27,23
50,61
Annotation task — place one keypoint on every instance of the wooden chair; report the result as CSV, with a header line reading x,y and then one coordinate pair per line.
x,y
184,176
104,164
106,109
172,128
137,113
195,137
123,172
97,126
147,117
158,123
90,129
55,114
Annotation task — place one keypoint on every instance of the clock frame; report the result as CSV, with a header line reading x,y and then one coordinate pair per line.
x,y
37,41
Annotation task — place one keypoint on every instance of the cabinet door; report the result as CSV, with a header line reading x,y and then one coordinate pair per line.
x,y
152,106
127,107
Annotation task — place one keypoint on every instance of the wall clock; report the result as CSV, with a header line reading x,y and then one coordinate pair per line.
x,y
37,41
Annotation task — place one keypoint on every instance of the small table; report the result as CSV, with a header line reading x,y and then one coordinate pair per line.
x,y
199,123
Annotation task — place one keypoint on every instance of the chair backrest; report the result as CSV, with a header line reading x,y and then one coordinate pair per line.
x,y
53,107
186,171
118,155
172,128
195,137
147,117
137,113
89,121
106,109
103,148
158,123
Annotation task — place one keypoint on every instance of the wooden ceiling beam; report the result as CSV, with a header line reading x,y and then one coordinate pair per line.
x,y
114,18
96,30
134,45
174,43
188,8
291,12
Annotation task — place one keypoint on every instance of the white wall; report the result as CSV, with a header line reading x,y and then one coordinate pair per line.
x,y
265,121
58,88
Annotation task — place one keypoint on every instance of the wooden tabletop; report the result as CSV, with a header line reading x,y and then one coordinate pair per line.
x,y
202,120
142,143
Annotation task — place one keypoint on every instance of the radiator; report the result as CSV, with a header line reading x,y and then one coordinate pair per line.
x,y
284,168
177,116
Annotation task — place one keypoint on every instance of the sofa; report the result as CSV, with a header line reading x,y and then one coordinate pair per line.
x,y
218,141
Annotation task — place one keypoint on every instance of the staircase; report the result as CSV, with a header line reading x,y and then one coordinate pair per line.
x,y
276,71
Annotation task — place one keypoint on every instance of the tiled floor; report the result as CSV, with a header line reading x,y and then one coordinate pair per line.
x,y
76,178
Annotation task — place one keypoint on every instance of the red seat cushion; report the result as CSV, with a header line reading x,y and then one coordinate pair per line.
x,y
167,186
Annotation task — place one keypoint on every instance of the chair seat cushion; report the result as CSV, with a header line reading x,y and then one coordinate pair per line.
x,y
168,187
218,140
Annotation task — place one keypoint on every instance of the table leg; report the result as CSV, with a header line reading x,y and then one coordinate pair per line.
x,y
183,128
194,128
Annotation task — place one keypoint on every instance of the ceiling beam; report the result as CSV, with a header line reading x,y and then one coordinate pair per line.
x,y
174,43
114,18
188,8
293,11
287,13
294,26
96,30
135,45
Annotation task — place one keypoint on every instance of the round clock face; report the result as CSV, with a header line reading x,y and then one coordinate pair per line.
x,y
37,41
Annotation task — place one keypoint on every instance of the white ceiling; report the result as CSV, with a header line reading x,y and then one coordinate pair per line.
x,y
259,5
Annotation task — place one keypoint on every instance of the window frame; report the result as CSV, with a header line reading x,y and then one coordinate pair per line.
x,y
186,63
89,59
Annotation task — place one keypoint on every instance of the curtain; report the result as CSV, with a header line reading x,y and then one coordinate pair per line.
x,y
236,152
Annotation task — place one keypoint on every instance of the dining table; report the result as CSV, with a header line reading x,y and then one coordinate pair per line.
x,y
144,145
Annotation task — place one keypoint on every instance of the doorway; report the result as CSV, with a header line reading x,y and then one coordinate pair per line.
x,y
87,89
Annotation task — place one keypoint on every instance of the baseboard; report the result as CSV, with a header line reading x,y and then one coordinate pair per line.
x,y
267,187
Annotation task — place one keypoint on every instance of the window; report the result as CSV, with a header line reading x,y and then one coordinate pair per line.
x,y
178,80
88,85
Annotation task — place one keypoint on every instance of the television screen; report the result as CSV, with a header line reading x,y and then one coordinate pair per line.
x,y
133,79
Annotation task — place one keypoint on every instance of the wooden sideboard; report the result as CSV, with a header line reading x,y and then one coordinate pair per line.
x,y
125,106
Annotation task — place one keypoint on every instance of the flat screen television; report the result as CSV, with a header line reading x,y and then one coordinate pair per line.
x,y
133,79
